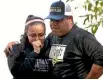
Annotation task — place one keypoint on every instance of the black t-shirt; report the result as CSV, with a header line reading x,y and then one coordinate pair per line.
x,y
73,54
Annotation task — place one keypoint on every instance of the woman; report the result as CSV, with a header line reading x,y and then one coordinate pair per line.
x,y
28,60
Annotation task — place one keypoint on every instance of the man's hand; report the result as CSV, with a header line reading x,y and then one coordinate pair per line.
x,y
37,46
9,47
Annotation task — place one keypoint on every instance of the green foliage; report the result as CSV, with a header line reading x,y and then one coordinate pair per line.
x,y
96,13
69,0
95,16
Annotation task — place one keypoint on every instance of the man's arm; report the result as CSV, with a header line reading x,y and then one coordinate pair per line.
x,y
95,72
18,63
9,47
94,50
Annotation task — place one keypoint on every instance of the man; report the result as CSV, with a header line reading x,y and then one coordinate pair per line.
x,y
75,53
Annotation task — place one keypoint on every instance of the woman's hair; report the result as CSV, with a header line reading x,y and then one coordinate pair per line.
x,y
31,20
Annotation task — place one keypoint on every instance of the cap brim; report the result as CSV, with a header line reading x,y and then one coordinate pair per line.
x,y
55,17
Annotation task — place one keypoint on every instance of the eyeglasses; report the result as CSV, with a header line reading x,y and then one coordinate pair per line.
x,y
34,35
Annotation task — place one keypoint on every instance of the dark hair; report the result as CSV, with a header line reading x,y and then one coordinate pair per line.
x,y
24,39
32,17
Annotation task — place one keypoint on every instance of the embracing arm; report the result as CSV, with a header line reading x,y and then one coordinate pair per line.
x,y
18,63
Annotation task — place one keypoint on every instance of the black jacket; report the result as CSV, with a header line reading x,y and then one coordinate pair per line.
x,y
26,64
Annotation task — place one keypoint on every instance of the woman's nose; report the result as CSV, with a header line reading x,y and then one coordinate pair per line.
x,y
37,38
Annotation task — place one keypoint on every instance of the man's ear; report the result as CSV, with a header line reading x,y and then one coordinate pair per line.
x,y
70,19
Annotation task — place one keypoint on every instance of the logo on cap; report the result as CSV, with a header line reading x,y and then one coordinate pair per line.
x,y
55,9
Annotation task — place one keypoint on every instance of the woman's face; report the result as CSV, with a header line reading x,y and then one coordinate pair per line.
x,y
36,32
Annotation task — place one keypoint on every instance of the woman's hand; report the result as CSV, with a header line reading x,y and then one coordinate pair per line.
x,y
37,45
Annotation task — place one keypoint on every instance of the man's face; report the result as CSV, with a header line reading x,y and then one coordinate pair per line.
x,y
59,27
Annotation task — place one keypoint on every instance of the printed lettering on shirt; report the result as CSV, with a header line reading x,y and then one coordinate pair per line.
x,y
57,53
41,65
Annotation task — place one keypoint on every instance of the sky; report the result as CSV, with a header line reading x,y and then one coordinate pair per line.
x,y
13,14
